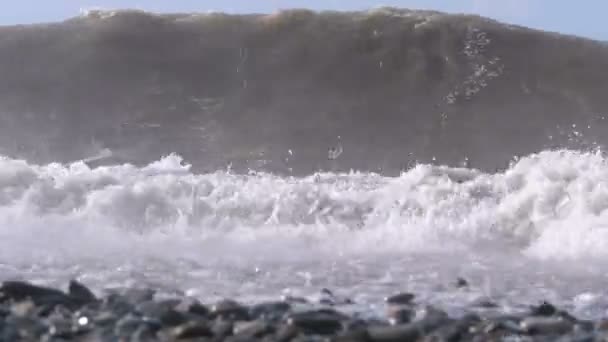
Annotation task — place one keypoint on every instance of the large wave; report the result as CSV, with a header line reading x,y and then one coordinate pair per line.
x,y
275,92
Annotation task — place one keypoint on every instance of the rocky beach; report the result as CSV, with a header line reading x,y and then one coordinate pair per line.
x,y
31,313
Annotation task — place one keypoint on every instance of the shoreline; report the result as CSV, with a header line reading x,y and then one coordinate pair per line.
x,y
30,312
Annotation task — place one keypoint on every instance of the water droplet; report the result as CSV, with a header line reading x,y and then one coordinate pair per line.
x,y
83,321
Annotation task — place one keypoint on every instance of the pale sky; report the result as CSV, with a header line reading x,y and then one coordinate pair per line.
x,y
583,17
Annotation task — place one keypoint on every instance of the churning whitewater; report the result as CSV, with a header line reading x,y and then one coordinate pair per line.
x,y
530,230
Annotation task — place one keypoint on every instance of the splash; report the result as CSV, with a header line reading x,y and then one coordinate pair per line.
x,y
550,205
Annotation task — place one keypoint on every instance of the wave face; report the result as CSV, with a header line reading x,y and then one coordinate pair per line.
x,y
274,92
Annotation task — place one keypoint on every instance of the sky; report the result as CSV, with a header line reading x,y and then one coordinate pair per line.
x,y
583,17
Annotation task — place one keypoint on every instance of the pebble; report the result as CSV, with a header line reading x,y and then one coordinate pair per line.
x,y
269,311
34,313
318,322
544,309
231,310
192,330
400,299
461,283
546,325
395,333
80,292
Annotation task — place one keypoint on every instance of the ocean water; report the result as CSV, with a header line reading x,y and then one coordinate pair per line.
x,y
536,231
197,154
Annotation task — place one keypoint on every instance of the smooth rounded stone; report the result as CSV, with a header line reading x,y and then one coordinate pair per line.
x,y
355,335
144,333
456,330
104,318
128,324
103,334
61,328
404,298
192,330
117,304
162,311
430,317
461,283
199,310
269,311
285,332
26,328
222,329
45,298
23,308
400,315
309,338
253,329
192,307
355,324
586,337
546,326
18,290
80,292
230,309
504,324
544,309
153,308
320,322
395,333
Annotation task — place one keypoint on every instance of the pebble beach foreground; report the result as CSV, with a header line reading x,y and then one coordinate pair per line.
x,y
34,313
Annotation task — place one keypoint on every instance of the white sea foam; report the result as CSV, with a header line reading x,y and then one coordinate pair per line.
x,y
166,225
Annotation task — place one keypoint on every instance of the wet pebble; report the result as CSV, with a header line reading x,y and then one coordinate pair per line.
x,y
230,310
404,298
318,322
136,316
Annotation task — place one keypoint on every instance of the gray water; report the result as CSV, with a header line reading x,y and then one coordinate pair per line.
x,y
192,153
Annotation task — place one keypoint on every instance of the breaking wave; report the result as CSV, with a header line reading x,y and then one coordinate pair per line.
x,y
551,205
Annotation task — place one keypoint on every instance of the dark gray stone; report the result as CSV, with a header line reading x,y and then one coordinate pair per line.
x,y
546,325
198,309
127,325
400,316
544,309
395,333
404,298
356,335
144,333
192,330
42,296
253,330
269,311
173,318
61,329
222,329
321,322
80,292
286,332
229,309
461,283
